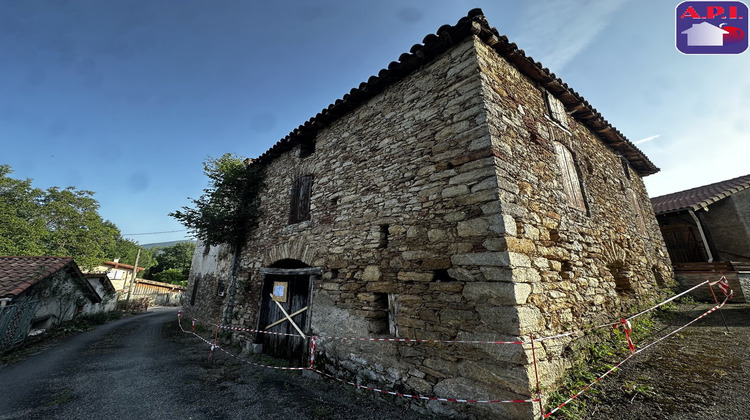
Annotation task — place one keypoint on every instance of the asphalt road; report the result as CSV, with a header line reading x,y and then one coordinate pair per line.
x,y
144,367
103,373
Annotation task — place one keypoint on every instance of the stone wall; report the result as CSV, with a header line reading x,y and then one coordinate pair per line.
x,y
581,266
404,203
443,194
210,267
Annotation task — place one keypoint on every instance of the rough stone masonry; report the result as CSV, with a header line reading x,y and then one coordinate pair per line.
x,y
464,193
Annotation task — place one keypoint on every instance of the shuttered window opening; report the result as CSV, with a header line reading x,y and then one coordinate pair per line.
x,y
570,180
195,291
637,212
625,166
556,110
299,209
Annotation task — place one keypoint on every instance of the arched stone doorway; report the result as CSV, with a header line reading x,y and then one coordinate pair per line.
x,y
287,293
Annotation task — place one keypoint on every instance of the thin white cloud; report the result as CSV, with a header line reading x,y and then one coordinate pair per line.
x,y
555,32
647,139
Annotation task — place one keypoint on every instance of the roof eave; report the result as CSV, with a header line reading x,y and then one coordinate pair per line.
x,y
433,45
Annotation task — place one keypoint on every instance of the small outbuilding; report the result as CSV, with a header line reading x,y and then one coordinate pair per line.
x,y
707,233
39,292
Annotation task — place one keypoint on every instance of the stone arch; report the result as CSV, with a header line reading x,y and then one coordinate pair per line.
x,y
288,251
288,263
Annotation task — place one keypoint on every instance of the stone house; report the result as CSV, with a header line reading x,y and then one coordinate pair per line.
x,y
707,230
463,193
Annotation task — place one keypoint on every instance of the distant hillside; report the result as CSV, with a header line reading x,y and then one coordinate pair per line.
x,y
163,244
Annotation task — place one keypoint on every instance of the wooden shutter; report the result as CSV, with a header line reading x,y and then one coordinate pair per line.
x,y
640,223
195,291
570,181
557,110
299,209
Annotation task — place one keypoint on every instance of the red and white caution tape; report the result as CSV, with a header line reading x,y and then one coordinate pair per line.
x,y
584,331
627,328
632,355
416,340
668,300
312,351
420,397
723,284
402,340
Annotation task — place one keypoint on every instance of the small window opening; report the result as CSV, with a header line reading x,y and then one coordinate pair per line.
x,y
442,275
306,149
625,166
220,289
383,239
658,276
622,275
299,207
640,222
335,273
571,179
393,308
195,291
386,305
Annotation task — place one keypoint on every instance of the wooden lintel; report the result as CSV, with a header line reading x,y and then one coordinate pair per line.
x,y
291,271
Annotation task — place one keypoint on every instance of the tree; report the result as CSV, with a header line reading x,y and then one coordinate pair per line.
x,y
126,250
175,259
61,222
21,227
228,208
227,211
172,276
75,227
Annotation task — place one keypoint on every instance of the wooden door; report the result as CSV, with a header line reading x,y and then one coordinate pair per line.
x,y
292,290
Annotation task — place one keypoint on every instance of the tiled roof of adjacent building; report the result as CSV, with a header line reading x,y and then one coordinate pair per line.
x,y
19,273
699,197
434,45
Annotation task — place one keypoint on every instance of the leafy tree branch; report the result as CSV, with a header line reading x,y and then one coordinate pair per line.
x,y
228,208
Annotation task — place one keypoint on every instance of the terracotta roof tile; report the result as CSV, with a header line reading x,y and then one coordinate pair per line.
x,y
19,273
699,197
433,45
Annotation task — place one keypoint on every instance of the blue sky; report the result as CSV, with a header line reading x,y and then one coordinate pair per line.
x,y
128,98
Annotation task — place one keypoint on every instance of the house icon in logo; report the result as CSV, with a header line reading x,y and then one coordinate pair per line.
x,y
705,34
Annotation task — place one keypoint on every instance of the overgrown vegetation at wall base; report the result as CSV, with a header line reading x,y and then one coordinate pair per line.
x,y
597,354
228,207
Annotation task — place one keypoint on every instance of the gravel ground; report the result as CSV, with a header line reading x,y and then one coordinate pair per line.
x,y
145,367
698,373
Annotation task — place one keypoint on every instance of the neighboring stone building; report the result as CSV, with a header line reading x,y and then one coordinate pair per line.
x,y
465,193
707,223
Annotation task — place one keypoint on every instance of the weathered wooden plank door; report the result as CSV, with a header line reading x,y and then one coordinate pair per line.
x,y
292,290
